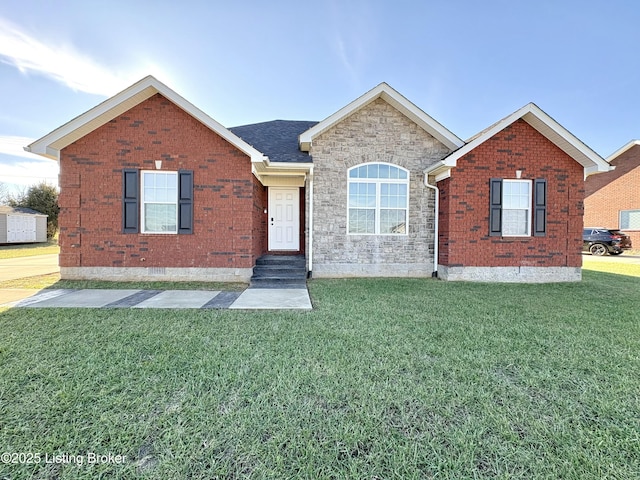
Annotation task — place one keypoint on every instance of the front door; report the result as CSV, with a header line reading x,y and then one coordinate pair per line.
x,y
284,218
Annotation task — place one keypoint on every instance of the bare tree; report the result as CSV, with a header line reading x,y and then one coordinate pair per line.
x,y
4,193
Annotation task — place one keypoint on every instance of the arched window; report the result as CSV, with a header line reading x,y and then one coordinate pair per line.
x,y
378,199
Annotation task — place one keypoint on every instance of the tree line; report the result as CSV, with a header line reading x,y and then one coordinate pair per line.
x,y
41,197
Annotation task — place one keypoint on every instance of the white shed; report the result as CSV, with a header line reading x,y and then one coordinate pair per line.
x,y
22,225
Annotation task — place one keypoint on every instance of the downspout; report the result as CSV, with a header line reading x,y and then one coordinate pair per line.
x,y
310,223
435,224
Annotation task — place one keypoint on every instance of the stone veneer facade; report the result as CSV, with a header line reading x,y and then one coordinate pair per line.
x,y
375,133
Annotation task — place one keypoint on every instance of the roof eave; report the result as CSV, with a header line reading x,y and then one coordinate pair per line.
x,y
395,99
623,149
550,129
50,145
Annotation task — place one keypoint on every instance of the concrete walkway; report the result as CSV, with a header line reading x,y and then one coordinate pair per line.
x,y
250,299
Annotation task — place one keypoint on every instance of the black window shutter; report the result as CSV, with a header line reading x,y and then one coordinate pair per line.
x,y
540,207
495,207
130,200
185,201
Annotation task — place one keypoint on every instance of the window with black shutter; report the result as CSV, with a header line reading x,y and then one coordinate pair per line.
x,y
540,207
185,201
157,201
130,201
515,210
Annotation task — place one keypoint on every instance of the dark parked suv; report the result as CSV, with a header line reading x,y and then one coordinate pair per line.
x,y
599,241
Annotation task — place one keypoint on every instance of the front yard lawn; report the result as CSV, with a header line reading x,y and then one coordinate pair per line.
x,y
29,249
383,379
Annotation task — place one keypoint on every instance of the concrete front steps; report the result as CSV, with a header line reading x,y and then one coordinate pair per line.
x,y
279,271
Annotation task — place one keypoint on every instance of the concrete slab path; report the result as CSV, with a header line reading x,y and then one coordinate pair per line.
x,y
250,299
273,298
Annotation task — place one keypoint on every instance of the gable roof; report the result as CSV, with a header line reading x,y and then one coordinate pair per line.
x,y
623,161
7,210
50,145
388,94
545,125
277,139
623,149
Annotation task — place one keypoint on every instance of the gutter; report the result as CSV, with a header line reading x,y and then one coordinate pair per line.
x,y
436,216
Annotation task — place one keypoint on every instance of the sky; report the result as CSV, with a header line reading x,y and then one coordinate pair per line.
x,y
466,63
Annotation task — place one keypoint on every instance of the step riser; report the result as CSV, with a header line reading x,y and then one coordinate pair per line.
x,y
281,284
279,271
274,271
283,260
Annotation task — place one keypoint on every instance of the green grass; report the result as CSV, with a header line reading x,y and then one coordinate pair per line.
x,y
610,265
29,250
383,379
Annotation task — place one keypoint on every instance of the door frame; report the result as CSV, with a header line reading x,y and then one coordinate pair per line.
x,y
296,213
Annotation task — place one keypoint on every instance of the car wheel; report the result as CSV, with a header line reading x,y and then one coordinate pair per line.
x,y
615,253
598,249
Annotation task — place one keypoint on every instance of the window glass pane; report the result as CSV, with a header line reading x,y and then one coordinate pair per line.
x,y
393,221
360,172
160,217
160,187
384,171
630,219
361,221
393,195
160,198
372,171
362,195
515,194
514,222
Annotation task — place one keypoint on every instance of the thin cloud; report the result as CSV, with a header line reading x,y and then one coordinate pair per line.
x,y
18,167
62,63
14,146
28,172
354,33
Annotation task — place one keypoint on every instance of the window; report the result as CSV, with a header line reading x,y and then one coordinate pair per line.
x,y
630,219
512,213
378,199
516,208
157,201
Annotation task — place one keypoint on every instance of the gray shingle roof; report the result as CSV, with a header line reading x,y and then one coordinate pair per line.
x,y
6,210
277,139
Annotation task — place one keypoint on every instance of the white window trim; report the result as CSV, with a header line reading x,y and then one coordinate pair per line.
x,y
378,181
529,206
143,202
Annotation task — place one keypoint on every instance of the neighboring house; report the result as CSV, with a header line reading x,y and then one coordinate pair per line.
x,y
151,186
612,200
22,225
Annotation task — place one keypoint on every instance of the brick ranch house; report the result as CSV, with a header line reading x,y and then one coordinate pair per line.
x,y
152,187
612,200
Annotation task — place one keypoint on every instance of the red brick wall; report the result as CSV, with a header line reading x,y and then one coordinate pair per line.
x,y
444,229
608,193
229,228
465,199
